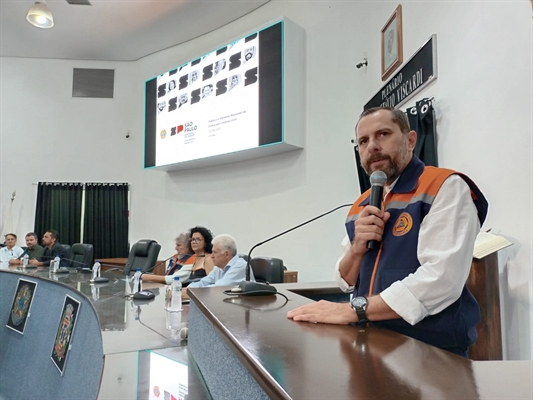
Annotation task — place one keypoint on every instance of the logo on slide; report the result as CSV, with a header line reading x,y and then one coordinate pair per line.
x,y
180,128
190,127
163,134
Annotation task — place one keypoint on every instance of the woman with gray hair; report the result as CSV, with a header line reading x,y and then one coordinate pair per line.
x,y
180,264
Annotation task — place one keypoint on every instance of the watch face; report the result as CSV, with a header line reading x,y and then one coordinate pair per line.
x,y
359,302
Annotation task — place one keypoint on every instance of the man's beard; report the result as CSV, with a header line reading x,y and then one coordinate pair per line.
x,y
392,170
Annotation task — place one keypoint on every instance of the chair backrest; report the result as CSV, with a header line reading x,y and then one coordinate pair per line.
x,y
143,255
243,256
67,248
81,255
268,269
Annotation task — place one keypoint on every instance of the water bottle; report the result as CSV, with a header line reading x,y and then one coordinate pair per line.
x,y
56,263
137,281
175,324
175,304
96,269
25,260
95,290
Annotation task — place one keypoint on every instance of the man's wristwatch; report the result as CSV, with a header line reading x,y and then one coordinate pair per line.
x,y
359,306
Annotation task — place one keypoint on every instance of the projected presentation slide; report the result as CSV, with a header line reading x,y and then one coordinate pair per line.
x,y
226,101
209,106
168,378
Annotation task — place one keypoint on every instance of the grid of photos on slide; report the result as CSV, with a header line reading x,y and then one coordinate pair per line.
x,y
213,75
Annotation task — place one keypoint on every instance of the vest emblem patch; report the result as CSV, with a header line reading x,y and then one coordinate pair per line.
x,y
403,224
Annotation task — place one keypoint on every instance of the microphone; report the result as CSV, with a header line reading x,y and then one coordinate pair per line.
x,y
164,261
144,295
172,256
261,289
90,270
377,180
62,270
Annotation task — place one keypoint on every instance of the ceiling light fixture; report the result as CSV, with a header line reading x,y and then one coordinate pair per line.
x,y
40,16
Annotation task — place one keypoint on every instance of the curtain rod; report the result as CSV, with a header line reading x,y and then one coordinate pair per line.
x,y
81,183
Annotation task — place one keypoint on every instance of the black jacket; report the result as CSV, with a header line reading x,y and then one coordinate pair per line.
x,y
57,249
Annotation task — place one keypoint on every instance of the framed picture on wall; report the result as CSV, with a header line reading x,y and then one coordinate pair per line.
x,y
65,330
20,308
391,44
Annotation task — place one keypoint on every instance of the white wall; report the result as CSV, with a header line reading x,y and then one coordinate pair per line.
x,y
483,99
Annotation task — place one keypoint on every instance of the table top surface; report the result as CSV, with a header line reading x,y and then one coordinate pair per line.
x,y
127,325
289,359
303,360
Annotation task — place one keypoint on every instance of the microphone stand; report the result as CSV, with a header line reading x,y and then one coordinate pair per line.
x,y
261,289
60,270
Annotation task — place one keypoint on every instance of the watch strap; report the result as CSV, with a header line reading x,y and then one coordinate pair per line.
x,y
361,311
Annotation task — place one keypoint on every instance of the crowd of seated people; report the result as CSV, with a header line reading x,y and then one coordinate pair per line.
x,y
195,260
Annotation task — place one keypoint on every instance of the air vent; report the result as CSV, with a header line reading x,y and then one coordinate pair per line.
x,y
97,83
79,2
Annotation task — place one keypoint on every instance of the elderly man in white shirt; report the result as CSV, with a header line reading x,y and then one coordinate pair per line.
x,y
229,269
11,251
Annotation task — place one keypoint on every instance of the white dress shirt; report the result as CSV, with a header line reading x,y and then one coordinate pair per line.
x,y
10,254
445,250
232,274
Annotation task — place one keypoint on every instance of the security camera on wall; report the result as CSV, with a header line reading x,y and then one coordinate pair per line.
x,y
230,104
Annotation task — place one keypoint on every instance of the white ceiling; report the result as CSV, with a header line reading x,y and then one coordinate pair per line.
x,y
113,30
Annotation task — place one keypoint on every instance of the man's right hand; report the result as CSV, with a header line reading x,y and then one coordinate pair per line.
x,y
369,226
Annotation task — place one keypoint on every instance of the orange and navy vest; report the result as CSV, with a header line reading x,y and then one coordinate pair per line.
x,y
175,264
408,203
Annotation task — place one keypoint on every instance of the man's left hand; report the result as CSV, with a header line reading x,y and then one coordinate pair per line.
x,y
324,312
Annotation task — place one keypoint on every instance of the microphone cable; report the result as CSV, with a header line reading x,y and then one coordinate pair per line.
x,y
230,300
239,293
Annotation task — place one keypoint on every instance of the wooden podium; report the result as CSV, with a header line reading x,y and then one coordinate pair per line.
x,y
483,282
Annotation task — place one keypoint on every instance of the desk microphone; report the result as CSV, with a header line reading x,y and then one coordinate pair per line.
x,y
377,180
143,295
160,262
261,289
164,261
86,270
62,270
101,279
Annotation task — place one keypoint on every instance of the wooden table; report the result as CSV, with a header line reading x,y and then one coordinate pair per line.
x,y
256,352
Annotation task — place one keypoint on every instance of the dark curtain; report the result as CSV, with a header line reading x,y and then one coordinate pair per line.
x,y
364,179
422,121
105,225
59,208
